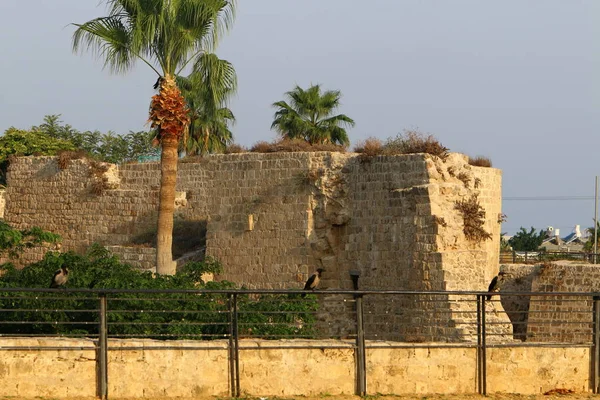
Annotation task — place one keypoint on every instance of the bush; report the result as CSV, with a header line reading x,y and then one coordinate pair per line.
x,y
294,145
480,161
234,149
412,142
162,316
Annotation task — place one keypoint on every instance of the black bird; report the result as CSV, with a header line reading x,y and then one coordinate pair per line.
x,y
313,281
495,284
60,277
158,82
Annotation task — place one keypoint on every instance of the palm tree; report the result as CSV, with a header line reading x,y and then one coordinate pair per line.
x,y
166,35
308,116
207,91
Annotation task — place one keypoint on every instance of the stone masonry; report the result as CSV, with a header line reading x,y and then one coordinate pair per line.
x,y
274,218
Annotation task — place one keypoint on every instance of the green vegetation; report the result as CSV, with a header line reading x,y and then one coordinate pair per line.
x,y
308,116
589,244
207,91
14,241
527,241
171,316
52,137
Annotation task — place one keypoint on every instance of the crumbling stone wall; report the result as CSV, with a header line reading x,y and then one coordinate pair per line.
x,y
274,218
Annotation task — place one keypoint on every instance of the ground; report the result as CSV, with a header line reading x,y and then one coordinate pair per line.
x,y
576,396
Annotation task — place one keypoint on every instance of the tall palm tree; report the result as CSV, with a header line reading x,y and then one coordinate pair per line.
x,y
166,35
207,91
308,116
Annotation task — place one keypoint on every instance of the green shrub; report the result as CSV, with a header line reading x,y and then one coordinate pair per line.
x,y
193,315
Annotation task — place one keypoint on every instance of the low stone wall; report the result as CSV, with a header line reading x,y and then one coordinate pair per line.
x,y
164,369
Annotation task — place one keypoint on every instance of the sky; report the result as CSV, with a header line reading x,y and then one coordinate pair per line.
x,y
516,81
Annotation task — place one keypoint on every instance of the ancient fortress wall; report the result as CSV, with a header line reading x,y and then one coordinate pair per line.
x,y
273,218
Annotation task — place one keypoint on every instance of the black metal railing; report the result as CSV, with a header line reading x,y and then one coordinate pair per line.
x,y
361,320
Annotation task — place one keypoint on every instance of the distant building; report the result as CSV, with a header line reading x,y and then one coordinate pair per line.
x,y
573,242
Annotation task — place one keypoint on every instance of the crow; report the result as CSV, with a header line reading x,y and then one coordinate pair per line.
x,y
60,277
158,82
313,281
495,284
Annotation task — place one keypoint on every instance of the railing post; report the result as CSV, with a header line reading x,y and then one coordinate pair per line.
x,y
596,349
481,347
361,371
234,365
103,350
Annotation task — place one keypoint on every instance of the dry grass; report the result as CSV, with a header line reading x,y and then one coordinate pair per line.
x,y
412,142
473,219
65,157
480,161
368,149
235,148
294,145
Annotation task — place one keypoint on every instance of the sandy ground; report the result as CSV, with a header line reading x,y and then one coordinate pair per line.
x,y
576,396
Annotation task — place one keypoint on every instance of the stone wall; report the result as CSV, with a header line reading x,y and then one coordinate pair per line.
x,y
159,369
563,318
272,219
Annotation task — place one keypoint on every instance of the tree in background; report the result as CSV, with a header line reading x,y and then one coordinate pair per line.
x,y
589,244
167,36
110,147
527,241
309,116
27,143
207,91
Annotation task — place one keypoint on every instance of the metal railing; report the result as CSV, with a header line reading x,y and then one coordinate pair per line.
x,y
516,257
361,320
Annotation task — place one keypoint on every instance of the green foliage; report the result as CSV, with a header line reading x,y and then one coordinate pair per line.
x,y
26,143
109,147
207,91
52,137
195,315
308,116
504,245
14,241
527,241
589,244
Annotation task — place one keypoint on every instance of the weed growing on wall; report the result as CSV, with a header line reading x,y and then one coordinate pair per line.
x,y
473,219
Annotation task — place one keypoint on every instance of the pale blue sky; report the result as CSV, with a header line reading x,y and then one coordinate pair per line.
x,y
514,80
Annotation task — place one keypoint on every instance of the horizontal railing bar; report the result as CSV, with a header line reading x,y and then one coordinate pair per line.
x,y
291,292
171,323
47,348
43,310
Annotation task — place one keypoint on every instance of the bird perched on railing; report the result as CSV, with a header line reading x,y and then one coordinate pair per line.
x,y
60,277
495,284
313,281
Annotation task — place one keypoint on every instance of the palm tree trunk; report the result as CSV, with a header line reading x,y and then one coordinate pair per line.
x,y
164,237
206,134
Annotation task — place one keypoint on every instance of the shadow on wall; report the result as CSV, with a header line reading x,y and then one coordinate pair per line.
x,y
517,307
188,236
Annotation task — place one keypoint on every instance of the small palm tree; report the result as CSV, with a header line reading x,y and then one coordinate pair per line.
x,y
207,91
166,35
308,116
